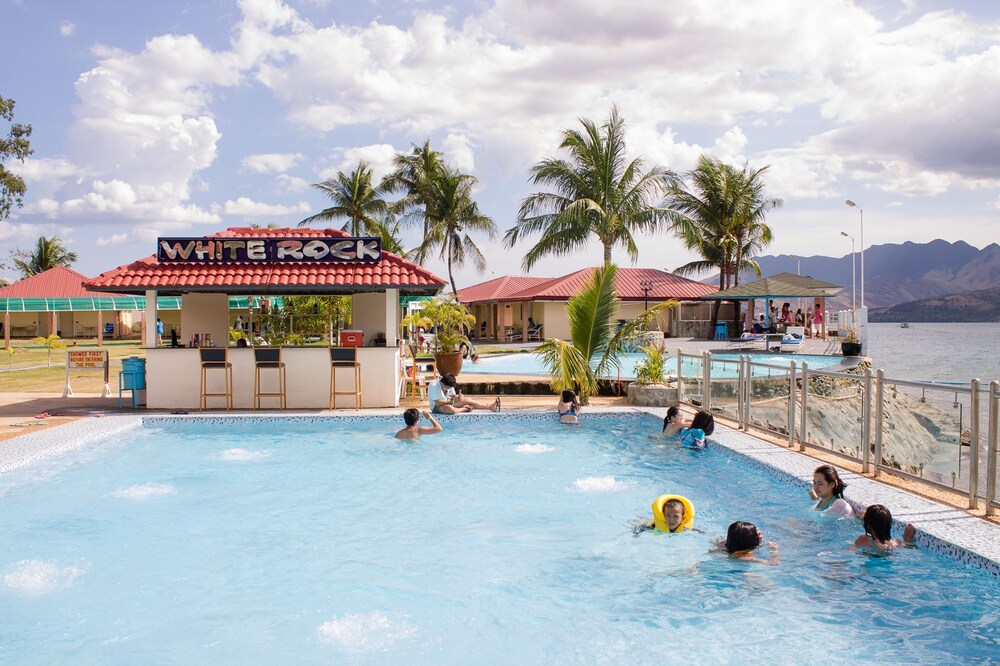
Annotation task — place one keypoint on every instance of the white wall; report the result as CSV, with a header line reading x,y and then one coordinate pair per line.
x,y
376,312
203,313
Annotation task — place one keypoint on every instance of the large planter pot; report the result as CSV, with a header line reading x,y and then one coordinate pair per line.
x,y
651,395
449,362
850,348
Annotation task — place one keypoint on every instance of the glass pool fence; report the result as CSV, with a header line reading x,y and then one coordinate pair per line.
x,y
939,434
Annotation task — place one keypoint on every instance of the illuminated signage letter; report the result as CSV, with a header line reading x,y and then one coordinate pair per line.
x,y
175,250
341,250
289,248
369,248
256,250
316,249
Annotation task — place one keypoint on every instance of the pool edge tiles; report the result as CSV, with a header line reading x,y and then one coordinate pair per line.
x,y
37,446
942,529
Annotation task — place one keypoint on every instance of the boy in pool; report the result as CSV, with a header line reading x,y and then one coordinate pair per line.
x,y
743,539
413,429
877,538
444,399
702,425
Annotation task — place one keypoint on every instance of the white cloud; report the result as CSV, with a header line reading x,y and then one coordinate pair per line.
x,y
67,28
286,183
379,157
271,162
250,208
458,151
114,239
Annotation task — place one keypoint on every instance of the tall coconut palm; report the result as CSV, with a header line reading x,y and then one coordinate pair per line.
x,y
355,198
48,253
595,339
412,176
596,192
452,213
720,215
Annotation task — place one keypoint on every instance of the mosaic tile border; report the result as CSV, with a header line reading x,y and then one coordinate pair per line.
x,y
945,530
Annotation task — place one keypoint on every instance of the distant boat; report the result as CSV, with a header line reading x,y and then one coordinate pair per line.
x,y
905,324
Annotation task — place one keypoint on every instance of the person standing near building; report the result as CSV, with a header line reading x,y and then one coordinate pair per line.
x,y
159,332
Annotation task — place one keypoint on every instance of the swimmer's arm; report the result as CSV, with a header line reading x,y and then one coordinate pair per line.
x,y
863,541
435,426
813,495
909,532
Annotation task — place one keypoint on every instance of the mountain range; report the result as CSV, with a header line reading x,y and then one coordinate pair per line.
x,y
899,273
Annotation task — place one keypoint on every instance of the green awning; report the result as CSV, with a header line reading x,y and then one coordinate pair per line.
x,y
112,303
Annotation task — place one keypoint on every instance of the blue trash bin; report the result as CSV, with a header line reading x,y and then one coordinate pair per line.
x,y
721,330
132,378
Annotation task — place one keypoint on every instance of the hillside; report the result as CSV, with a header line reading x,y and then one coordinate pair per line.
x,y
900,273
972,306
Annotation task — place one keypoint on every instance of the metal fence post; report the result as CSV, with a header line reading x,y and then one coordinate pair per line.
x,y
879,396
991,460
973,444
803,430
866,418
680,378
791,405
706,378
749,390
739,394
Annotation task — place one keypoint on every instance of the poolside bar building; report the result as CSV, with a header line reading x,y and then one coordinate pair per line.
x,y
245,261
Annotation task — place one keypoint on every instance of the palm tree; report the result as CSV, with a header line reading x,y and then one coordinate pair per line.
x,y
593,336
387,227
413,176
48,253
452,211
721,217
354,198
597,193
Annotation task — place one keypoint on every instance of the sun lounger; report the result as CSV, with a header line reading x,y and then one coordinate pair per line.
x,y
747,341
791,342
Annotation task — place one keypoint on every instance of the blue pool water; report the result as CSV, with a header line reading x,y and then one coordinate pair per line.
x,y
529,364
501,540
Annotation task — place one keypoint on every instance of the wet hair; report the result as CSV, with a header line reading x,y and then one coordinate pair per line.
x,y
741,536
675,503
878,523
411,416
672,414
449,380
830,474
704,421
568,396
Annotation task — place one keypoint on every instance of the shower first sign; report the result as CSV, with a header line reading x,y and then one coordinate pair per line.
x,y
87,359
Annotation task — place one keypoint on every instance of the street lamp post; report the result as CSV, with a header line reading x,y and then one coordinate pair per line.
x,y
853,275
646,285
862,213
798,264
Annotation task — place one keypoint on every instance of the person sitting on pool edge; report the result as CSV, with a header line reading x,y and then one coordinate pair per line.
x,y
702,425
743,538
877,538
413,429
444,399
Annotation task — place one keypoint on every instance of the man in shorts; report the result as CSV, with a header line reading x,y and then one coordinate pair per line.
x,y
444,399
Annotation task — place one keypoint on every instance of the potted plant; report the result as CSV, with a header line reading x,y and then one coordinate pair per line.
x,y
850,345
451,322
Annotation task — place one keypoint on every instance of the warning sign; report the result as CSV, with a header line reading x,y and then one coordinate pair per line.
x,y
92,360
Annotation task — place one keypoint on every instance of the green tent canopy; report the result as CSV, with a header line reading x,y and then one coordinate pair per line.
x,y
113,303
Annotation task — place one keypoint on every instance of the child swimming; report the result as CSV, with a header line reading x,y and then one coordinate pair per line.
x,y
743,539
702,425
877,538
413,429
828,489
568,408
673,423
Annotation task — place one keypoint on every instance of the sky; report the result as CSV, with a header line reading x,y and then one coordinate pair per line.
x,y
182,118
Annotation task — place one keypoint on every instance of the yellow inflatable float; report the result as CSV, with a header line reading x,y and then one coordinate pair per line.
x,y
660,522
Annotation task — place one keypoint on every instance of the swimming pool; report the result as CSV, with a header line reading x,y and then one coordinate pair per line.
x,y
504,539
528,363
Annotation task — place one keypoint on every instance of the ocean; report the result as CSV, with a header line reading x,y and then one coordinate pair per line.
x,y
936,352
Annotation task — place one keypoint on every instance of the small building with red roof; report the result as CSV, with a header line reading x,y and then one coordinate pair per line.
x,y
506,304
251,261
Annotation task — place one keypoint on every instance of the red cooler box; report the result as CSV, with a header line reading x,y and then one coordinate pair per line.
x,y
351,338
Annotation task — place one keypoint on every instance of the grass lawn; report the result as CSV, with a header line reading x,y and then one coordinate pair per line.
x,y
28,378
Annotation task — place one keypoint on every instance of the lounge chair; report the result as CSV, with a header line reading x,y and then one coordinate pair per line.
x,y
792,340
109,328
535,332
747,340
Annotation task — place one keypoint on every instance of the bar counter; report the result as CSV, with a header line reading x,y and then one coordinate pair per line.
x,y
173,379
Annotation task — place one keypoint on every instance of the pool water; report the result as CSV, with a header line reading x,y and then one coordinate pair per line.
x,y
501,540
528,363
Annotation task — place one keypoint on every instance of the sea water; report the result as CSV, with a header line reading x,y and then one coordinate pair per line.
x,y
501,540
936,352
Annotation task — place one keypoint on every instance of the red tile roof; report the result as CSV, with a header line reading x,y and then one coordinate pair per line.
x,y
58,282
393,272
498,288
664,286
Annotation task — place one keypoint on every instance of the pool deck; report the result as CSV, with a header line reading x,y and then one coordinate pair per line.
x,y
951,531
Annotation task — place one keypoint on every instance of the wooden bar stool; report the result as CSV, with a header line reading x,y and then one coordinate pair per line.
x,y
215,359
269,358
340,358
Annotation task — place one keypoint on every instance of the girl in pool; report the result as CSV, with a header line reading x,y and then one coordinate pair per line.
x,y
673,423
702,425
743,539
828,490
568,408
877,538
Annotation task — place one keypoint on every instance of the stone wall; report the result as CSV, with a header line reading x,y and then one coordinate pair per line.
x,y
651,395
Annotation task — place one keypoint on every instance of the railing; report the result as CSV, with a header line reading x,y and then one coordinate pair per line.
x,y
935,434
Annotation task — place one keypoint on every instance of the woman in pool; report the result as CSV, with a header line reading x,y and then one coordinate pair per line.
x,y
828,490
743,539
877,538
673,423
568,408
702,425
